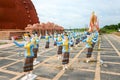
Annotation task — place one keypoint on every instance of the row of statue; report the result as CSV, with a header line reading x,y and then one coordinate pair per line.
x,y
63,41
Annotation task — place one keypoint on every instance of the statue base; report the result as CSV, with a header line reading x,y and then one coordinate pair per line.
x,y
36,62
32,77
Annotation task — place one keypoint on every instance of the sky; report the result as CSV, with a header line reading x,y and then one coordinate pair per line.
x,y
76,13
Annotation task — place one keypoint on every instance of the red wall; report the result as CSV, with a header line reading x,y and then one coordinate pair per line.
x,y
16,14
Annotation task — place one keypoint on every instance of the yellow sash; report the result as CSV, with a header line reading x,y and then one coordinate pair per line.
x,y
27,46
66,45
89,40
59,38
46,37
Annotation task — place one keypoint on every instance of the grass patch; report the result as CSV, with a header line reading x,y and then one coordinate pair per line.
x,y
107,31
2,43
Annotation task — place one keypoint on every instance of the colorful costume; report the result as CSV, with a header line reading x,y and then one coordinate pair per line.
x,y
72,41
55,40
66,51
59,39
88,41
47,41
28,65
35,41
94,39
89,46
77,39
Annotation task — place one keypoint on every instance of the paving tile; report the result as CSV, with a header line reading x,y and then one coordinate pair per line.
x,y
77,75
79,64
17,67
6,76
109,77
17,56
46,72
6,54
111,59
108,53
4,62
111,68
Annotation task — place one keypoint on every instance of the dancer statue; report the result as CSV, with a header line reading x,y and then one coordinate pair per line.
x,y
29,56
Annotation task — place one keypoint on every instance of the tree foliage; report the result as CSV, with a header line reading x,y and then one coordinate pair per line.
x,y
110,28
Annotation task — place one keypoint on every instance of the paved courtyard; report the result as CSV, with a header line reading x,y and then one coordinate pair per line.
x,y
50,68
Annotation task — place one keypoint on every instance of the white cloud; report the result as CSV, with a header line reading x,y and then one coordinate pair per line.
x,y
76,13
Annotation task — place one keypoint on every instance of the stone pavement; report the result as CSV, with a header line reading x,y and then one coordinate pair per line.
x,y
50,67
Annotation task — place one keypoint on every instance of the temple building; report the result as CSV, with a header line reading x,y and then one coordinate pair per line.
x,y
15,15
